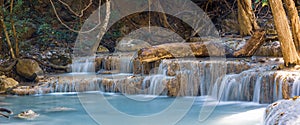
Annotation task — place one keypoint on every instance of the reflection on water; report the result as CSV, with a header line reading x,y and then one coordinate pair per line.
x,y
66,109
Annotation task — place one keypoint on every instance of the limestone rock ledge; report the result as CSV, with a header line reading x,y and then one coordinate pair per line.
x,y
283,112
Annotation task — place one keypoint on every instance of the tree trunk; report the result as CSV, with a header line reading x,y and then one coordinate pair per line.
x,y
105,24
246,18
295,24
288,49
6,32
1,35
13,27
1,31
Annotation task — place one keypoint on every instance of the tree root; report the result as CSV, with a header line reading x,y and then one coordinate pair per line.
x,y
8,68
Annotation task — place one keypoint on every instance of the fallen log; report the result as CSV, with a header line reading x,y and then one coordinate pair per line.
x,y
180,50
252,45
200,49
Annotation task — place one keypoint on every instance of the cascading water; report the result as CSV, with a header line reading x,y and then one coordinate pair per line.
x,y
238,82
257,85
155,86
83,65
126,64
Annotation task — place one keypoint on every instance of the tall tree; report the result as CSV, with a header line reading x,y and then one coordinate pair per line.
x,y
246,18
13,27
295,23
1,35
2,23
285,37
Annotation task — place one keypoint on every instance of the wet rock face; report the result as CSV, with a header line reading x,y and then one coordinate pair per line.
x,y
28,69
283,112
7,84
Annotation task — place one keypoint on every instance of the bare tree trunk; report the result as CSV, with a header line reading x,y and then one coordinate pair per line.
x,y
105,23
6,33
288,49
1,40
14,28
1,31
295,23
246,18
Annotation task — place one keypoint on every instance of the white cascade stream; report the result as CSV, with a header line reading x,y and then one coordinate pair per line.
x,y
192,77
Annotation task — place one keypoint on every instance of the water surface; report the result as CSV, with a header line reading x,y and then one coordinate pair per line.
x,y
226,113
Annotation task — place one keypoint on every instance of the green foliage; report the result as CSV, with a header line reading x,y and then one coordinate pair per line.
x,y
47,33
263,2
17,15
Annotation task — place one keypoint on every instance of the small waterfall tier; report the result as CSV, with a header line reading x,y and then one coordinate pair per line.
x,y
257,86
83,65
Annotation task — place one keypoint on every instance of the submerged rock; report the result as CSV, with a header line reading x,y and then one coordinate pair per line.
x,y
60,109
28,115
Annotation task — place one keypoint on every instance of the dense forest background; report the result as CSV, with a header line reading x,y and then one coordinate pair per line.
x,y
34,29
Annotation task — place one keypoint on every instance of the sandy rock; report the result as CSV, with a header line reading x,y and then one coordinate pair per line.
x,y
28,69
6,84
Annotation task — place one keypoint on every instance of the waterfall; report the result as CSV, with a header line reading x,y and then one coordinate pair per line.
x,y
234,87
296,88
126,64
257,90
224,80
259,86
84,64
153,85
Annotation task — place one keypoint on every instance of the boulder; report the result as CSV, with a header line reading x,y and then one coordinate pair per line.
x,y
6,84
128,44
28,69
